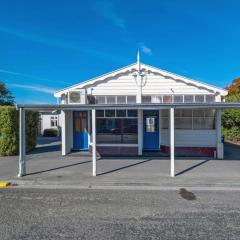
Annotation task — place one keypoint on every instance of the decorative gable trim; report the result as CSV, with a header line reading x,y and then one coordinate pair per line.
x,y
130,69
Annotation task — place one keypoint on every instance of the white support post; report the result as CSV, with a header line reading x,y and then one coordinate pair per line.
x,y
64,134
219,134
139,94
172,142
22,143
94,152
88,126
140,131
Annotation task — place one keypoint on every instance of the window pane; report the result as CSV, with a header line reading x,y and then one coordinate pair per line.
x,y
100,113
199,98
130,131
187,113
167,99
117,130
183,123
204,123
111,99
183,113
210,98
178,99
121,113
132,113
178,112
156,99
131,99
209,113
188,98
108,130
110,113
121,99
151,124
146,99
100,99
164,112
198,113
91,99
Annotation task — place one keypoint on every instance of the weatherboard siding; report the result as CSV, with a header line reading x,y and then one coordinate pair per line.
x,y
155,85
190,138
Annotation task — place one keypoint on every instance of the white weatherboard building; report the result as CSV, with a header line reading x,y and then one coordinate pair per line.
x,y
140,108
48,120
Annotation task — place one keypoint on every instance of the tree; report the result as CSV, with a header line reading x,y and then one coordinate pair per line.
x,y
231,117
6,97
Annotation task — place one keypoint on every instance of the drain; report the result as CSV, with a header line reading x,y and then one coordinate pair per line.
x,y
184,193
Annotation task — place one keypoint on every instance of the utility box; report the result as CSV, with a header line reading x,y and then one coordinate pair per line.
x,y
77,96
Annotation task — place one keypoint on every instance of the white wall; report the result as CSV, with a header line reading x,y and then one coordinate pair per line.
x,y
67,132
190,138
46,121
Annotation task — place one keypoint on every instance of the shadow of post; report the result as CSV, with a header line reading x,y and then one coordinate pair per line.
x,y
192,167
124,167
57,168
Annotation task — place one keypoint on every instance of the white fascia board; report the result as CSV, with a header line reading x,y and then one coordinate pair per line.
x,y
174,76
93,80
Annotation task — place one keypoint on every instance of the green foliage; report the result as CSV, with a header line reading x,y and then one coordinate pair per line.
x,y
232,134
50,132
231,117
9,130
5,96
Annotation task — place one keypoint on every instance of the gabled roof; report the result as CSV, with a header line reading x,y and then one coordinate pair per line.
x,y
134,67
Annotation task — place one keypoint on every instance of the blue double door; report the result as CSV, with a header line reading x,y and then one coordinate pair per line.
x,y
151,130
80,130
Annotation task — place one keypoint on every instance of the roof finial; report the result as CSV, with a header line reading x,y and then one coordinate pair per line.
x,y
138,60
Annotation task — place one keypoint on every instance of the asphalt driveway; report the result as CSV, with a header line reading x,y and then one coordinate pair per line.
x,y
46,166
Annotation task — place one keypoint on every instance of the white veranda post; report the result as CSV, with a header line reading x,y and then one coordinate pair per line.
x,y
172,142
94,152
219,134
22,143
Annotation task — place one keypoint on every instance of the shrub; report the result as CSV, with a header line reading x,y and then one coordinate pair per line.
x,y
50,132
9,130
9,133
232,134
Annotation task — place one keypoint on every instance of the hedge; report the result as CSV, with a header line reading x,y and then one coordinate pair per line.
x,y
50,132
231,124
9,130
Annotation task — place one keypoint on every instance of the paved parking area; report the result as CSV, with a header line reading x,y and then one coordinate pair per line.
x,y
46,166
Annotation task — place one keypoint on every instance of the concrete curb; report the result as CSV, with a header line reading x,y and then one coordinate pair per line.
x,y
124,187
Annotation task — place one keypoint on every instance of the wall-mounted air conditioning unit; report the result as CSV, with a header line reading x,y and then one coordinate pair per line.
x,y
77,96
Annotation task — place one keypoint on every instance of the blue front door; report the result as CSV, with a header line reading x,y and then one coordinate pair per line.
x,y
80,132
150,130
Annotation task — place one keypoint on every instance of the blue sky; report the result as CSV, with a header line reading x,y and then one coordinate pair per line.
x,y
49,45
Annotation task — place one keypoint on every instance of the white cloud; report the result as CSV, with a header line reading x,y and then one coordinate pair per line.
x,y
32,87
145,49
108,11
30,76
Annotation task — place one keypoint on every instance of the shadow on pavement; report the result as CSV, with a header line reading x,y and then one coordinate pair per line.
x,y
231,151
47,140
121,168
192,167
46,149
57,168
